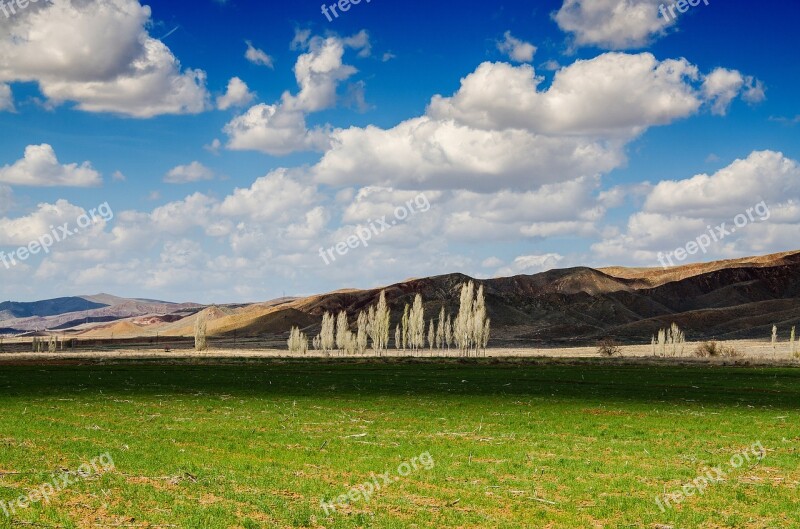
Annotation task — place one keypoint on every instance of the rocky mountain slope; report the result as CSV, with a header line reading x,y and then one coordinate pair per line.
x,y
739,298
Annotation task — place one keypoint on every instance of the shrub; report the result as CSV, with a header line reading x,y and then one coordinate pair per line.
x,y
608,347
713,349
706,349
728,351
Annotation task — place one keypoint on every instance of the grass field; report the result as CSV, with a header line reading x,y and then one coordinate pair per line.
x,y
514,444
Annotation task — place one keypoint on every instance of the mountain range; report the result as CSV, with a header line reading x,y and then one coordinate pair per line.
x,y
732,299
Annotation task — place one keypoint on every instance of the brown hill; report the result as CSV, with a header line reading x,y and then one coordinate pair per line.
x,y
737,298
652,277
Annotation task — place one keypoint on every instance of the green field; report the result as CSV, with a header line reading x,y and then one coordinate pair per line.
x,y
512,444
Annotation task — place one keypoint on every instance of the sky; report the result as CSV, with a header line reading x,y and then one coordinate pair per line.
x,y
226,151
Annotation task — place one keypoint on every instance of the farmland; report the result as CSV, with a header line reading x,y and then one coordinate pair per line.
x,y
512,442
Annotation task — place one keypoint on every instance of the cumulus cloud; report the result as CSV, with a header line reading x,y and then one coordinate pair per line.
x,y
763,175
613,94
273,129
501,130
22,230
271,197
612,24
517,50
318,73
678,211
426,153
722,86
281,128
39,167
184,174
99,55
236,95
257,56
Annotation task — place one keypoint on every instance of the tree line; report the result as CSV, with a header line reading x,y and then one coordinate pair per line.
x,y
468,332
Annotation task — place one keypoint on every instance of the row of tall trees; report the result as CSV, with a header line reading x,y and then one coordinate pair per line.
x,y
371,326
468,332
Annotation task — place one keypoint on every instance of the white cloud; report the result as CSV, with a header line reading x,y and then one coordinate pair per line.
x,y
99,54
501,131
271,198
22,230
184,174
280,128
491,262
39,167
517,50
721,87
6,199
763,175
257,56
214,146
612,24
678,211
318,73
424,153
236,95
300,40
274,130
6,98
614,94
360,42
531,264
118,176
754,91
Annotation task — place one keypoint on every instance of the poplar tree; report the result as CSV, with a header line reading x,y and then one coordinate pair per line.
x,y
298,342
448,332
440,330
404,323
398,343
328,332
200,328
417,324
462,328
342,328
361,336
379,324
479,320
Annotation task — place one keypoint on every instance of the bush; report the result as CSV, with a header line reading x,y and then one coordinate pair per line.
x,y
713,349
608,347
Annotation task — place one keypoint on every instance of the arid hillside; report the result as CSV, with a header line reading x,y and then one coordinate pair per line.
x,y
733,299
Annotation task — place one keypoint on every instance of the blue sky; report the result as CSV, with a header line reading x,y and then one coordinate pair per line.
x,y
574,132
